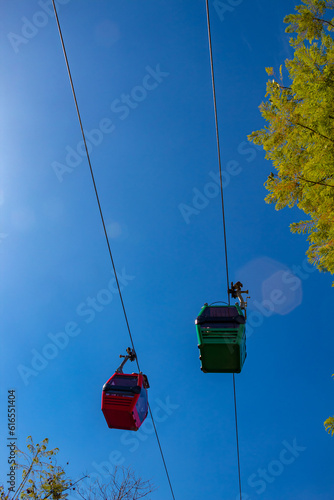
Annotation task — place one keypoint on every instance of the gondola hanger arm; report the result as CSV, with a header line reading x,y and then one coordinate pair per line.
x,y
131,355
236,292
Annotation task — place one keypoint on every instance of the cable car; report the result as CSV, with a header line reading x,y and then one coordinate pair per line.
x,y
124,398
221,338
221,334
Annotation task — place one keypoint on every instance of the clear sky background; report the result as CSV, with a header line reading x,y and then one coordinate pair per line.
x,y
142,76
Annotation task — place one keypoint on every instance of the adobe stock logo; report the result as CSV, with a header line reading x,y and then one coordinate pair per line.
x,y
227,6
58,341
121,109
210,190
263,477
30,27
201,197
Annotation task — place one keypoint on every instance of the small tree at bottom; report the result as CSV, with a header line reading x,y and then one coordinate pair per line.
x,y
43,478
122,484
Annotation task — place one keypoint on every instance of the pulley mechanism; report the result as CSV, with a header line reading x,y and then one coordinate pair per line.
x,y
131,355
236,292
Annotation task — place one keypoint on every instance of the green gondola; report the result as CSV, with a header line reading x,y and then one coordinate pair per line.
x,y
221,333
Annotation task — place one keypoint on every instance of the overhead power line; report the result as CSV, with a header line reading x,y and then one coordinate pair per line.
x,y
105,231
218,147
224,225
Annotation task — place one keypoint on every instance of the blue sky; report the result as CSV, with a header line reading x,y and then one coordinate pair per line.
x,y
142,76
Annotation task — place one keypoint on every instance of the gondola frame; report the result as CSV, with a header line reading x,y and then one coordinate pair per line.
x,y
222,344
121,405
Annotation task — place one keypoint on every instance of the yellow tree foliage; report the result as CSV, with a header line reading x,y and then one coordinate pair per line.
x,y
299,136
43,478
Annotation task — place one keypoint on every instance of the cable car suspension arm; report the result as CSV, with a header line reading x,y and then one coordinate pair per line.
x,y
236,292
131,356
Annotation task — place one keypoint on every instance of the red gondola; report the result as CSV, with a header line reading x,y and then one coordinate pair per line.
x,y
124,398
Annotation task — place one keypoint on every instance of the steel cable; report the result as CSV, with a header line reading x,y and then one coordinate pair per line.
x,y
224,225
105,230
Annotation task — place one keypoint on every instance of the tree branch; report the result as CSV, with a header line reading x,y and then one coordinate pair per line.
x,y
324,21
312,130
303,179
314,182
